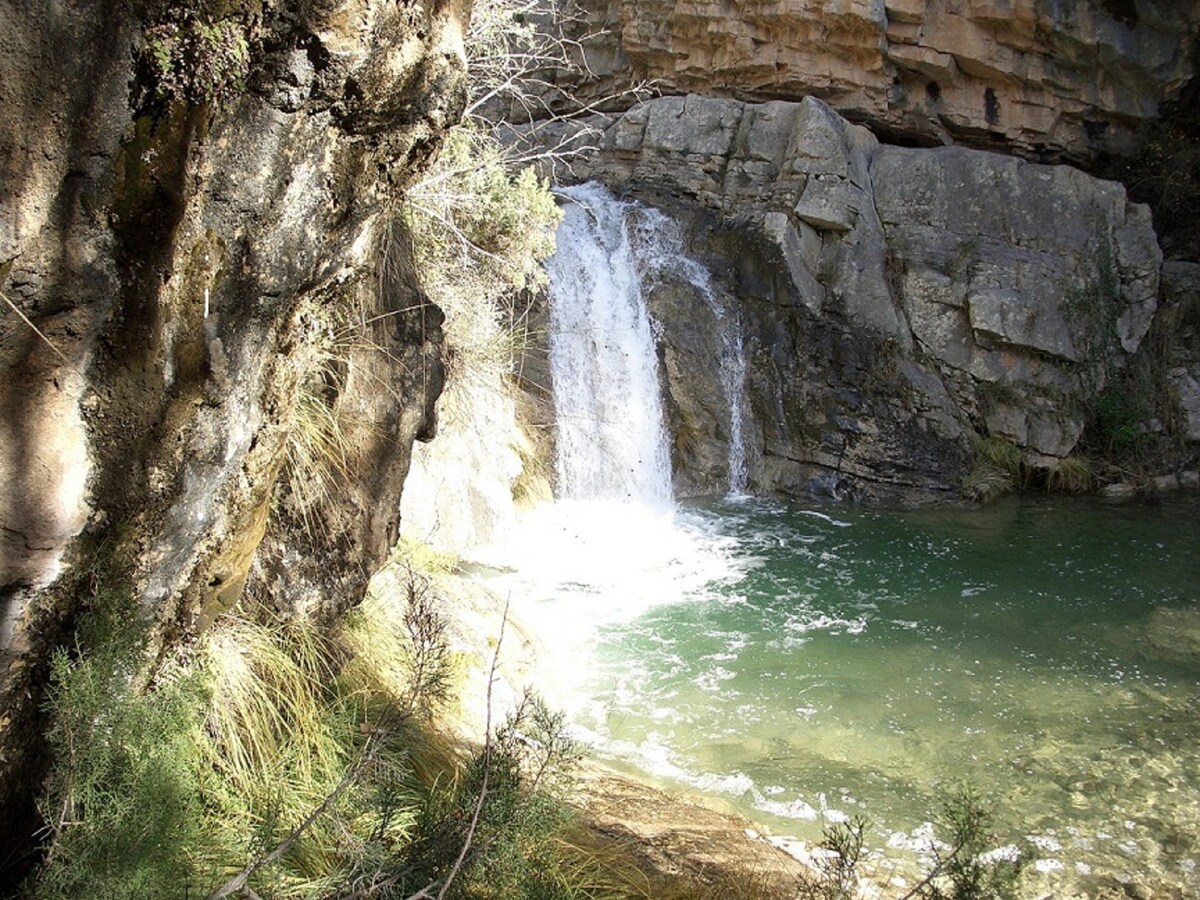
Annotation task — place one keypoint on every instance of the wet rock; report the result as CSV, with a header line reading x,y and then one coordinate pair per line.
x,y
932,294
1120,491
1163,484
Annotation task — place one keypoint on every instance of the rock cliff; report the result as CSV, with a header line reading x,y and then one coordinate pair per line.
x,y
897,304
1049,79
216,357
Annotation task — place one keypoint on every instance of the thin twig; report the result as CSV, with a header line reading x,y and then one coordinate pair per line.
x,y
487,754
24,318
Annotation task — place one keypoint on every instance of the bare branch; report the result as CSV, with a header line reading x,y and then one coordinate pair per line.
x,y
487,751
24,318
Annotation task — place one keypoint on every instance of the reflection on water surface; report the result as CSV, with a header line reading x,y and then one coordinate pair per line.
x,y
805,664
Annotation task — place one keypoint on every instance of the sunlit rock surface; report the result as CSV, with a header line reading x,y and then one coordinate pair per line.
x,y
898,302
1047,79
212,289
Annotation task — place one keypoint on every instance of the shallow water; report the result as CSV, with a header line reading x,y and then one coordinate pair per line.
x,y
806,664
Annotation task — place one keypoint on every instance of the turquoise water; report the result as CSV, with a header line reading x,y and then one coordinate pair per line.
x,y
834,661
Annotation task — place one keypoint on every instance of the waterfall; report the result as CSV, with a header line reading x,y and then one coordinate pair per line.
x,y
733,380
611,436
611,439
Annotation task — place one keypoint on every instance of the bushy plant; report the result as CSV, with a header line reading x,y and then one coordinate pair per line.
x,y
841,852
1119,423
492,834
966,866
122,803
480,232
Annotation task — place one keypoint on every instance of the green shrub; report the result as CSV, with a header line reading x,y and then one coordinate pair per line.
x,y
480,232
122,802
1120,421
967,869
503,815
837,875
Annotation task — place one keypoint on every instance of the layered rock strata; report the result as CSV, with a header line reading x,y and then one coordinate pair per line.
x,y
1049,79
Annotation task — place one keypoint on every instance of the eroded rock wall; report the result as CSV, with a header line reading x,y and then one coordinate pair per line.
x,y
215,353
897,303
1049,79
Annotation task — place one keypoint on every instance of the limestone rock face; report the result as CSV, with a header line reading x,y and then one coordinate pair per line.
x,y
1181,295
898,302
190,299
1045,78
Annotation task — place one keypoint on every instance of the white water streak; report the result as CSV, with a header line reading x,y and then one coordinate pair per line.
x,y
611,436
660,247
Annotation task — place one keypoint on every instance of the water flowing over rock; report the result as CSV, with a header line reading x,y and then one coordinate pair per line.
x,y
618,264
897,302
610,439
1048,79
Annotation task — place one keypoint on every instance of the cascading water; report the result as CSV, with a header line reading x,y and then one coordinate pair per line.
x,y
613,531
611,438
661,247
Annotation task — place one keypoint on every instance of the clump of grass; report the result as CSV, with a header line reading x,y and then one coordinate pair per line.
x,y
533,485
291,762
999,468
1072,475
317,451
1002,454
412,555
277,741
